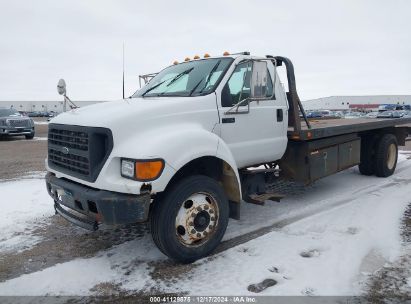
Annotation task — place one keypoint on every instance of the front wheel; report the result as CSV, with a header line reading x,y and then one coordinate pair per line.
x,y
189,220
30,136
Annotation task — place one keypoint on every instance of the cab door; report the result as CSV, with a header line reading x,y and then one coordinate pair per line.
x,y
256,131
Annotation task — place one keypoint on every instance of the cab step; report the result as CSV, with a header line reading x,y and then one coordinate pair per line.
x,y
259,199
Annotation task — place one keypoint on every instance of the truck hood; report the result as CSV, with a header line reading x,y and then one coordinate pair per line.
x,y
140,116
106,114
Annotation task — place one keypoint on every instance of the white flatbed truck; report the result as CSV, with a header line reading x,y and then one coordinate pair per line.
x,y
179,152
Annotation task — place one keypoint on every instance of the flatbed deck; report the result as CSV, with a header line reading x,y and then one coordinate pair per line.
x,y
334,127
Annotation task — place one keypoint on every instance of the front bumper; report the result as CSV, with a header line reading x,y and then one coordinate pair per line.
x,y
88,207
14,131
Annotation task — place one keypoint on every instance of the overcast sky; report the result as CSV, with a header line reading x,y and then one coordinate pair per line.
x,y
338,47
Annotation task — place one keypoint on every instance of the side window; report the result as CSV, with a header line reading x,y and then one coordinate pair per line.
x,y
238,86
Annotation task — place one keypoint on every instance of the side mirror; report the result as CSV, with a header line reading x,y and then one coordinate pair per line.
x,y
259,80
61,87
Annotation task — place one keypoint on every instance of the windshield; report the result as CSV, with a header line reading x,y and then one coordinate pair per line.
x,y
9,112
192,78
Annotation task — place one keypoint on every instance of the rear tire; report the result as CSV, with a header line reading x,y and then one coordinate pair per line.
x,y
189,220
367,157
386,155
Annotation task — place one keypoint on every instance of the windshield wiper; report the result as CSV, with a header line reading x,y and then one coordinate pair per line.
x,y
210,75
178,76
153,87
195,87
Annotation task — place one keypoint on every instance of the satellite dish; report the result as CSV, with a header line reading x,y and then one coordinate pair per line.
x,y
61,87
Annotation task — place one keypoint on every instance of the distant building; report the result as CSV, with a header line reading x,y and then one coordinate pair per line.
x,y
362,103
33,106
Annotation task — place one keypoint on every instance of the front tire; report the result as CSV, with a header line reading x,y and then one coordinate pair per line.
x,y
29,136
386,156
189,220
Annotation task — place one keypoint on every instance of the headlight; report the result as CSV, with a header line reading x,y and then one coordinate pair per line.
x,y
127,168
142,170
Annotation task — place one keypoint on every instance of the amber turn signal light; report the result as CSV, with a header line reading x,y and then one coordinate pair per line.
x,y
148,170
142,169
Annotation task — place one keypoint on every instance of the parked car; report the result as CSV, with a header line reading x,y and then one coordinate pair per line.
x,y
330,114
339,114
371,115
389,114
403,113
407,114
52,115
34,114
314,114
12,123
353,115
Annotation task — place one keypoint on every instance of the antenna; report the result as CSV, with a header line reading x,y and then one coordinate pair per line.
x,y
123,70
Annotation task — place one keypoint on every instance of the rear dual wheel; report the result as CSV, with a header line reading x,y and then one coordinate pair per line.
x,y
189,220
367,159
386,156
379,157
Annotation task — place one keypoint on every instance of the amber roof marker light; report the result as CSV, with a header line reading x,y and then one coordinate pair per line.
x,y
207,55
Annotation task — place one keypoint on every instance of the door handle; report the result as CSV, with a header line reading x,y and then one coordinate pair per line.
x,y
228,120
280,115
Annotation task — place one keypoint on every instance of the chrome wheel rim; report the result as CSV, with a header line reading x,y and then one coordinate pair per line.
x,y
197,219
391,156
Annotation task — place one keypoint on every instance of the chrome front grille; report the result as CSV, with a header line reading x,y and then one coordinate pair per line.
x,y
78,151
70,139
19,123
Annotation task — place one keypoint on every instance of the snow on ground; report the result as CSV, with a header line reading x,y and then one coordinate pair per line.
x,y
315,253
41,122
24,204
78,276
325,193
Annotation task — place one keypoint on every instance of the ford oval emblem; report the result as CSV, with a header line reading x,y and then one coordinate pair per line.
x,y
65,150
